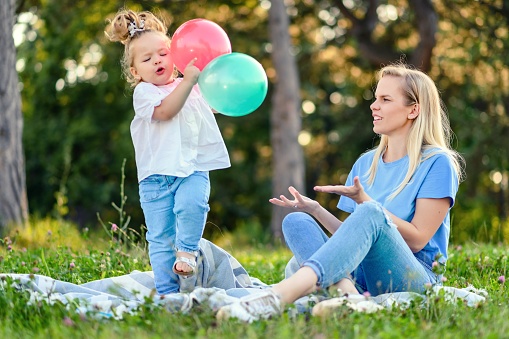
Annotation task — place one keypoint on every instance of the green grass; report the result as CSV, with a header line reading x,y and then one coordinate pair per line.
x,y
97,258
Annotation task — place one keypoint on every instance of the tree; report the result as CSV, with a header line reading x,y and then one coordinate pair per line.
x,y
288,159
74,96
77,109
362,30
13,200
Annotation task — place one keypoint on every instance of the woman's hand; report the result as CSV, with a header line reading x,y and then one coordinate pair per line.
x,y
298,203
304,204
355,192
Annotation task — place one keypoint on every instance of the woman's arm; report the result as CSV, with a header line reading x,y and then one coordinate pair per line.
x,y
429,214
304,204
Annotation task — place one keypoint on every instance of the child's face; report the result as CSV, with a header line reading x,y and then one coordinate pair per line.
x,y
152,61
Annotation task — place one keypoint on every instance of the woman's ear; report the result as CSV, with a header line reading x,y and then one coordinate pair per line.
x,y
414,113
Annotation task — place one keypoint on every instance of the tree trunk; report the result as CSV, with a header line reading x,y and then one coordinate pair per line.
x,y
288,158
13,200
426,23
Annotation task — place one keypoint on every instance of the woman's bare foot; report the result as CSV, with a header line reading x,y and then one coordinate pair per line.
x,y
346,286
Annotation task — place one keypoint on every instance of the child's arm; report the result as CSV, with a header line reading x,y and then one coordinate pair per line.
x,y
174,102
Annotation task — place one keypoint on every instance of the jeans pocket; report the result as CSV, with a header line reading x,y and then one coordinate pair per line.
x,y
150,189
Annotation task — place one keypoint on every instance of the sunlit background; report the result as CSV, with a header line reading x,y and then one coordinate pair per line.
x,y
77,108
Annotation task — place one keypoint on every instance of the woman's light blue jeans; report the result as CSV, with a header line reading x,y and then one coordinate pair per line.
x,y
367,248
175,212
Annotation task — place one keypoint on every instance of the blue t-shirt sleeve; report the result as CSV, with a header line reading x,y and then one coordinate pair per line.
x,y
441,180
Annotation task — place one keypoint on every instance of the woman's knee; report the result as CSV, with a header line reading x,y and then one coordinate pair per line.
x,y
375,211
369,207
293,218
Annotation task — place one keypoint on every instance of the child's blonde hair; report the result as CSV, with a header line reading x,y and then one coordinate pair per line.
x,y
128,26
430,131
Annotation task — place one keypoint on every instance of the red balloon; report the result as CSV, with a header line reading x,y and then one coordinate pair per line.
x,y
201,39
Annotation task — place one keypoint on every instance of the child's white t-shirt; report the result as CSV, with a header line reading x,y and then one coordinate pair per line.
x,y
190,141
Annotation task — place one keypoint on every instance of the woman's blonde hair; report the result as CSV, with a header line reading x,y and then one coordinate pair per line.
x,y
430,130
119,30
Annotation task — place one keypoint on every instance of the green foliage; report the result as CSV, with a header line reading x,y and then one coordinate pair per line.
x,y
479,265
76,113
54,255
46,232
470,66
77,108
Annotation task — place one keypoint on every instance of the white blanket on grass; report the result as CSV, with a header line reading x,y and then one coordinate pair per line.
x,y
221,280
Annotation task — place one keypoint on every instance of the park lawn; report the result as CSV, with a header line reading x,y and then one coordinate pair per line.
x,y
481,265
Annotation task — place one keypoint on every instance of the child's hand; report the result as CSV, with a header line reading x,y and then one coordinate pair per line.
x,y
191,72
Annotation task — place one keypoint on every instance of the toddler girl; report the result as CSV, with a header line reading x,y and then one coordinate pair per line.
x,y
176,141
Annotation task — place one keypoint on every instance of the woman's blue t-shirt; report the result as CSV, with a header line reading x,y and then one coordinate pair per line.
x,y
435,178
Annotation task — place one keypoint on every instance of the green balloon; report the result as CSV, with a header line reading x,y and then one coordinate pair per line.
x,y
234,84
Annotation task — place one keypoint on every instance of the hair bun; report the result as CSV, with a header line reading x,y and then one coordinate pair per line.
x,y
118,28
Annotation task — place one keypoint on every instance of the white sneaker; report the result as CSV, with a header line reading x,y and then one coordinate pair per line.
x,y
356,302
252,307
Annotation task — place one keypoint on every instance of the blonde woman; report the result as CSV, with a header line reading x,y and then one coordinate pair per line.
x,y
398,195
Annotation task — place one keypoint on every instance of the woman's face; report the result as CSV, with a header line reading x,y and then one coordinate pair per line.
x,y
152,61
391,115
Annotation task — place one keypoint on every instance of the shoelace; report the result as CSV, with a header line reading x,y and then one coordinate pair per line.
x,y
264,305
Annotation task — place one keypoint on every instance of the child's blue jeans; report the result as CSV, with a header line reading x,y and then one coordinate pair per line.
x,y
175,212
366,248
